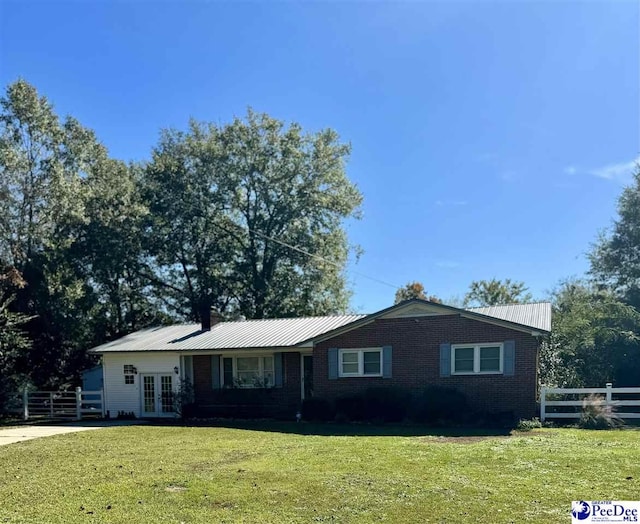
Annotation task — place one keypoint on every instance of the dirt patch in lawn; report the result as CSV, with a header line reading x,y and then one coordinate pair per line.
x,y
175,489
470,439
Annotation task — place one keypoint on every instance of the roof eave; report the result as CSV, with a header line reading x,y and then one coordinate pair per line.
x,y
534,331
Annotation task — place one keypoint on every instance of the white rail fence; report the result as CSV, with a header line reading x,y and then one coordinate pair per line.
x,y
619,400
76,405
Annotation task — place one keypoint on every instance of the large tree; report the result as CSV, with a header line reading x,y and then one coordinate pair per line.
x,y
248,217
108,248
41,160
495,292
54,205
615,259
595,339
414,290
13,341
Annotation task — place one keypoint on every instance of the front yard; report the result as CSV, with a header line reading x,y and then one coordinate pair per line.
x,y
271,473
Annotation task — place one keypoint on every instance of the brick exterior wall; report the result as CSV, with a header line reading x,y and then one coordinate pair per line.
x,y
280,402
416,361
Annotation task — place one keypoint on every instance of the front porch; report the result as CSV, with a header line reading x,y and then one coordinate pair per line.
x,y
248,384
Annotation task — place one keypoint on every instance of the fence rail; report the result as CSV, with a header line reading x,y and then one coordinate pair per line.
x,y
75,405
609,399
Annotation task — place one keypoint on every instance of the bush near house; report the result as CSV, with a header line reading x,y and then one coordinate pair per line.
x,y
441,405
434,405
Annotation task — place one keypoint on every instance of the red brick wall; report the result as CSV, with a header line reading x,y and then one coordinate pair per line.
x,y
281,402
416,361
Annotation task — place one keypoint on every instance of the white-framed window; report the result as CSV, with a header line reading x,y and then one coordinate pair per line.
x,y
365,362
248,372
471,359
129,374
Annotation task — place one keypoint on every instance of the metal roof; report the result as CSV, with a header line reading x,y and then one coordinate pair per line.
x,y
536,315
291,332
245,334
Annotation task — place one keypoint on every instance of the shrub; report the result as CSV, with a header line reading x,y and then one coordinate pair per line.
x,y
528,424
183,399
316,410
596,415
438,404
500,419
386,404
350,408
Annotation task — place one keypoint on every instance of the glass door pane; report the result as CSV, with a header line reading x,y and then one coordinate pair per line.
x,y
149,394
166,394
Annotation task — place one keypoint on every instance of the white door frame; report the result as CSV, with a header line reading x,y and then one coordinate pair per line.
x,y
157,395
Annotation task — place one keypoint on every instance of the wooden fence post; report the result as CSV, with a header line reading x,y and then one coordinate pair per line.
x,y
78,403
51,404
608,397
25,403
543,403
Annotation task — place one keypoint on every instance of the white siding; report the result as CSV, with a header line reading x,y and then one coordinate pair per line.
x,y
126,397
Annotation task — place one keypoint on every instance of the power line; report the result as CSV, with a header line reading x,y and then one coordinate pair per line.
x,y
305,252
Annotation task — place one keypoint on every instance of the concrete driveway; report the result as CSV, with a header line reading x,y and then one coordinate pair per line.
x,y
12,435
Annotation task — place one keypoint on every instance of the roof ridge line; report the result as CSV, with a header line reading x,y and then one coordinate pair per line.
x,y
513,304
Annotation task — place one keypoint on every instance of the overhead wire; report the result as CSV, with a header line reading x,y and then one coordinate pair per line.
x,y
313,255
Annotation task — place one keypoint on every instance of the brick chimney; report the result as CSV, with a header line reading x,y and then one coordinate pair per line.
x,y
214,317
209,318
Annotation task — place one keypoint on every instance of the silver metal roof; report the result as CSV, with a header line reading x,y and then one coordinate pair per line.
x,y
288,332
536,315
246,334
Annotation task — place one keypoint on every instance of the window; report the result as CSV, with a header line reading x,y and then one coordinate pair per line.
x,y
129,374
470,359
360,362
248,372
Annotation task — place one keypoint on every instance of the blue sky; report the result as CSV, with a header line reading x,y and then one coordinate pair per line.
x,y
490,139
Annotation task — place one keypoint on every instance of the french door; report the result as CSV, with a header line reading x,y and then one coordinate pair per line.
x,y
157,395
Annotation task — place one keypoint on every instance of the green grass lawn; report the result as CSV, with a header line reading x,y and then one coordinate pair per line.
x,y
273,473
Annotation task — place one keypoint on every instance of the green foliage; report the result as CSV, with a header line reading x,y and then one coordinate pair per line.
x,y
316,409
13,342
441,405
376,404
435,405
528,424
495,292
596,323
614,259
253,189
183,399
387,404
595,339
350,408
47,172
105,248
414,290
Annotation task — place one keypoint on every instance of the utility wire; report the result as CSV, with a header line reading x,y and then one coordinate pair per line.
x,y
305,252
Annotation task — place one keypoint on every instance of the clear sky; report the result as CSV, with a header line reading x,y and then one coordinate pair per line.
x,y
490,139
